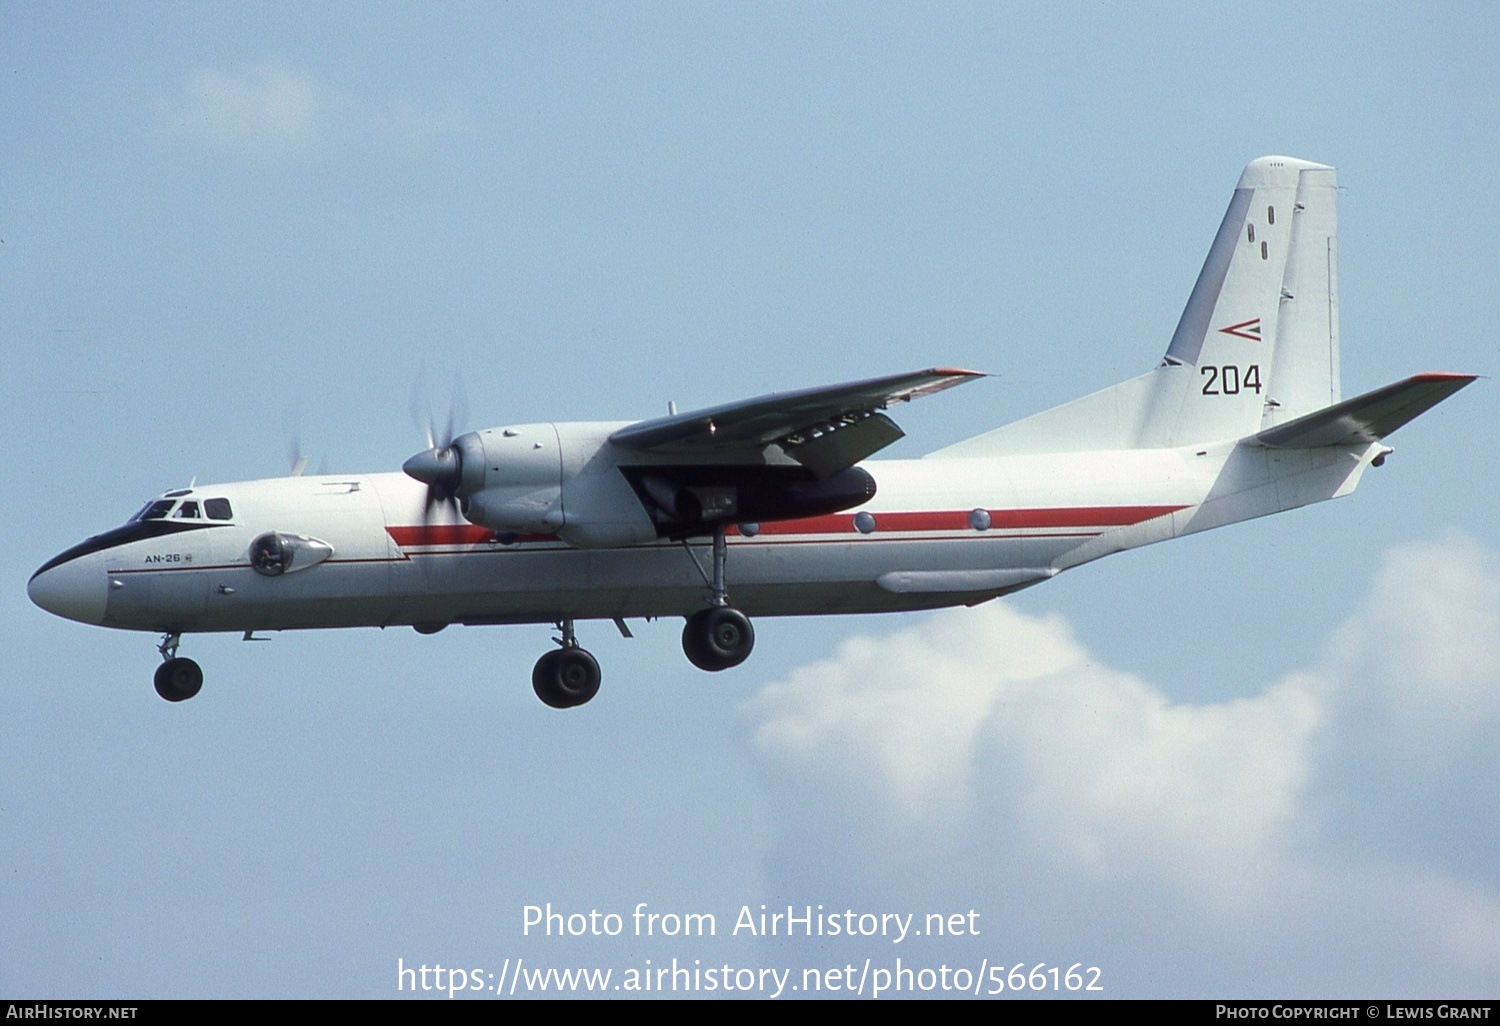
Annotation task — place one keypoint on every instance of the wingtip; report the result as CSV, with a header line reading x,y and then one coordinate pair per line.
x,y
1446,376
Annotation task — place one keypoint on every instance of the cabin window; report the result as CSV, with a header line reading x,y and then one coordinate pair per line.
x,y
1250,228
218,509
1270,215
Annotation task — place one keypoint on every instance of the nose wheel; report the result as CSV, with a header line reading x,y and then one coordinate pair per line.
x,y
178,678
566,677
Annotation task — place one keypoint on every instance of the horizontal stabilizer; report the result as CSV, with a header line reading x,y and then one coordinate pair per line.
x,y
1366,418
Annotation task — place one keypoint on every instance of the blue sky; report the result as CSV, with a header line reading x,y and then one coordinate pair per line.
x,y
1247,763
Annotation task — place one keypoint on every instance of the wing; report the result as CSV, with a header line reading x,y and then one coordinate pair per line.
x,y
825,429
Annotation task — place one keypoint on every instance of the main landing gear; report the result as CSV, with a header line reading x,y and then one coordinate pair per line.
x,y
713,639
567,677
720,636
177,678
717,638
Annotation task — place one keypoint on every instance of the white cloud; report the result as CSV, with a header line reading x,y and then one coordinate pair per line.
x,y
1422,652
258,107
1333,831
271,108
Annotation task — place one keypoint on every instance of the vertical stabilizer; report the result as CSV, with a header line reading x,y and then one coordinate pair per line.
x,y
1216,379
1256,346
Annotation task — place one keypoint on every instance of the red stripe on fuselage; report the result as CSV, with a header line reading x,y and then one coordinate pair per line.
x,y
958,520
842,523
451,534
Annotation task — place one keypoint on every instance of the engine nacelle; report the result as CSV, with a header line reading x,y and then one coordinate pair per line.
x,y
687,499
569,480
521,482
553,479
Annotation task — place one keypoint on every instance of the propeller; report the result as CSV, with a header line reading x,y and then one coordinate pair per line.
x,y
296,460
441,465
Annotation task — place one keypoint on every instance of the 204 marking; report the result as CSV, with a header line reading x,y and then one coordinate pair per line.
x,y
1227,379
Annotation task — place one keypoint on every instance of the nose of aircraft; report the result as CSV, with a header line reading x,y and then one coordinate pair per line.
x,y
75,589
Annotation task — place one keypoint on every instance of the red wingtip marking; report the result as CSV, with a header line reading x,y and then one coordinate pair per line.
x,y
1443,376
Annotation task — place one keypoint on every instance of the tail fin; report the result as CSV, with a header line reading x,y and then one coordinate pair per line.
x,y
1258,341
1256,346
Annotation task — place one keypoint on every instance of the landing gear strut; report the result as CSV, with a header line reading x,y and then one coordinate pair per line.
x,y
177,678
720,636
567,677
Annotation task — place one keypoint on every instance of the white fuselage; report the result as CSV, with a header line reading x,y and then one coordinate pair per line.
x,y
945,532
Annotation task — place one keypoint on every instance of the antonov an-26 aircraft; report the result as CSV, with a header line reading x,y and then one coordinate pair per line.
x,y
765,507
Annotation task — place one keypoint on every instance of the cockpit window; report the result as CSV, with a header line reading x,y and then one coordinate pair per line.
x,y
155,510
160,509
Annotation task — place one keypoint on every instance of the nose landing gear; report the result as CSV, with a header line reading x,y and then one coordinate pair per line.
x,y
177,678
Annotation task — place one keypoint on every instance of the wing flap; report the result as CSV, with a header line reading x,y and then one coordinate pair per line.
x,y
1365,418
828,452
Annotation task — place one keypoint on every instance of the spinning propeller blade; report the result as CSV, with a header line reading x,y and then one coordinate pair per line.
x,y
440,465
